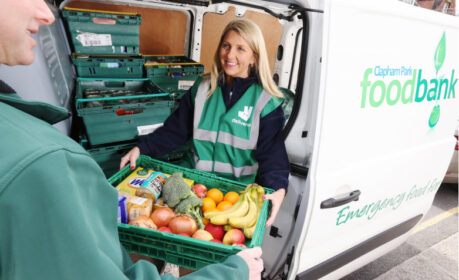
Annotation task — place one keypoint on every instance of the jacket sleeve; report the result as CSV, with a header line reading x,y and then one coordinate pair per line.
x,y
176,131
59,221
271,155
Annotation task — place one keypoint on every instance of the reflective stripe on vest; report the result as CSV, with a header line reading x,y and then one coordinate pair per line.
x,y
225,137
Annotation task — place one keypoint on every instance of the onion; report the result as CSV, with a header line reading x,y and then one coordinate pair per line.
x,y
162,216
183,224
143,221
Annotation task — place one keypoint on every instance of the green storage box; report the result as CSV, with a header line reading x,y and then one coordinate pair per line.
x,y
184,251
113,110
174,74
108,66
109,157
103,32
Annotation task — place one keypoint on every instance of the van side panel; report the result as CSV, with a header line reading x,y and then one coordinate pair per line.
x,y
386,116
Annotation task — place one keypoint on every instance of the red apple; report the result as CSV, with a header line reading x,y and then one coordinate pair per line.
x,y
234,236
200,190
203,235
165,229
216,241
216,231
184,234
240,245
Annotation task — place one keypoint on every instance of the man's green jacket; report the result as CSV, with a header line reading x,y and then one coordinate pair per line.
x,y
58,213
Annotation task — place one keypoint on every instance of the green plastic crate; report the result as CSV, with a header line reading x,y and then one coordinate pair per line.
x,y
103,32
116,119
184,251
109,157
108,67
174,74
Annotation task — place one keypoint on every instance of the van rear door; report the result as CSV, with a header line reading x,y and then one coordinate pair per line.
x,y
383,140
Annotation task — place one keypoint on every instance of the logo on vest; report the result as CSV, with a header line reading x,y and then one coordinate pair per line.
x,y
245,115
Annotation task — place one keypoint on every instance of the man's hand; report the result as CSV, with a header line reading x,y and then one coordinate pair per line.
x,y
253,259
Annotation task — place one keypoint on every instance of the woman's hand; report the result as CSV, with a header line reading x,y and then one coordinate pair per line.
x,y
276,198
131,157
253,259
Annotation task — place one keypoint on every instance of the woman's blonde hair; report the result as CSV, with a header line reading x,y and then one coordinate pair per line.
x,y
251,33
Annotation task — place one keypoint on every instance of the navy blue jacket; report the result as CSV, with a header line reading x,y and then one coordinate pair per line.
x,y
273,164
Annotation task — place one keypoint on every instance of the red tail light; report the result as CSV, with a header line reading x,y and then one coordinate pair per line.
x,y
457,144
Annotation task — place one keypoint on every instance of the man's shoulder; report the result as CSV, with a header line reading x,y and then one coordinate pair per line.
x,y
23,134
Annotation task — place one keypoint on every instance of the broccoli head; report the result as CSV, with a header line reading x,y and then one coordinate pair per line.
x,y
176,190
191,206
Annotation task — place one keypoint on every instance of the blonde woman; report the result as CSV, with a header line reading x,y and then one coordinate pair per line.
x,y
233,117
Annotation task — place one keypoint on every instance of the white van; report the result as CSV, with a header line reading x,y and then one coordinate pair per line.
x,y
369,135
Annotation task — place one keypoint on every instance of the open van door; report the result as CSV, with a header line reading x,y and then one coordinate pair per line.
x,y
383,139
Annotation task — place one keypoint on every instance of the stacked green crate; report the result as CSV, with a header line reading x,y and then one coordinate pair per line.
x,y
113,110
103,32
173,73
89,66
109,157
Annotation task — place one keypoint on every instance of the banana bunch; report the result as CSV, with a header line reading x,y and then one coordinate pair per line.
x,y
244,213
257,193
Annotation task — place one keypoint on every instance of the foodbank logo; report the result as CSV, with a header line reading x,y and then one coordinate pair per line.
x,y
407,85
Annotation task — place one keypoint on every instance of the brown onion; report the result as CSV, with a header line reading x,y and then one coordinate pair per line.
x,y
162,216
143,221
183,224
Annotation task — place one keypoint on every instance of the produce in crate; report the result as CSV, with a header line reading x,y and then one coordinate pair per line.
x,y
257,195
231,197
165,229
203,235
217,231
176,190
179,195
200,190
249,219
239,209
143,221
162,216
215,194
244,213
191,206
183,224
234,236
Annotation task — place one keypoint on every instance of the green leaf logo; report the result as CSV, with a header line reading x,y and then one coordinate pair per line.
x,y
434,116
440,53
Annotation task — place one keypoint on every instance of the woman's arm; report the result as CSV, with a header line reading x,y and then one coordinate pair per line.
x,y
273,163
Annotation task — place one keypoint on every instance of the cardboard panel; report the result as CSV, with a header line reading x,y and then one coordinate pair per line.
x,y
214,24
161,31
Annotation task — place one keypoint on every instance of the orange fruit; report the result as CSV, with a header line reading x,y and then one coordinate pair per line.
x,y
231,197
208,203
215,194
211,209
222,206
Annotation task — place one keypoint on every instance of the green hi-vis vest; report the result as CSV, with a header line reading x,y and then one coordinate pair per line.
x,y
225,141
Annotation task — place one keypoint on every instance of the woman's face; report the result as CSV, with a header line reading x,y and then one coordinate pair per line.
x,y
236,56
20,19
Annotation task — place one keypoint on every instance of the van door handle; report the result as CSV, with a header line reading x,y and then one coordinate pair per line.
x,y
335,202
